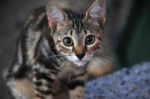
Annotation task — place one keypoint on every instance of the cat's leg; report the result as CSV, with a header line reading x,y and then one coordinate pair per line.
x,y
42,88
48,97
42,91
77,93
42,83
76,90
21,88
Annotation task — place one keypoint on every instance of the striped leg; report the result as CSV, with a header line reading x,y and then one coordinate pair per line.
x,y
43,89
41,97
77,93
76,90
42,83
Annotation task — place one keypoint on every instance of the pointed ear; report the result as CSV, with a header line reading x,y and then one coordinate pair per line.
x,y
97,13
56,17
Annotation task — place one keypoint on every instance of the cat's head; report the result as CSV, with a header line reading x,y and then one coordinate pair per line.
x,y
77,37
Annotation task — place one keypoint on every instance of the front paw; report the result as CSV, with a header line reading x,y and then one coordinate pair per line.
x,y
77,93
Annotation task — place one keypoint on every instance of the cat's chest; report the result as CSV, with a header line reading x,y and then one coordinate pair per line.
x,y
65,75
69,71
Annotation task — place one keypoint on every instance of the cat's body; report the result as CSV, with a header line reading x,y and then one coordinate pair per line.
x,y
47,66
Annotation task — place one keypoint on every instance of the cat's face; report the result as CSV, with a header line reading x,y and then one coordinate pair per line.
x,y
78,47
77,38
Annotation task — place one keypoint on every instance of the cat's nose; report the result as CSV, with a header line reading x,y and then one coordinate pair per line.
x,y
80,56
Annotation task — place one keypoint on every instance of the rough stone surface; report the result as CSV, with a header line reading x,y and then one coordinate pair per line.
x,y
129,83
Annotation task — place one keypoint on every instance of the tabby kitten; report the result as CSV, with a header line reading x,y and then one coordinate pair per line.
x,y
58,51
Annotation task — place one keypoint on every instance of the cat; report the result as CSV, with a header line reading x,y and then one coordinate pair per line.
x,y
58,51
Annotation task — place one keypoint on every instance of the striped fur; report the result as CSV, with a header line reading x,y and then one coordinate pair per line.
x,y
50,68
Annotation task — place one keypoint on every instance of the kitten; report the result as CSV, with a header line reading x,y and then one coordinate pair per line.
x,y
58,51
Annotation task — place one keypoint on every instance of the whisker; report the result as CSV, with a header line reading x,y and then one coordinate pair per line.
x,y
52,48
55,56
60,56
97,65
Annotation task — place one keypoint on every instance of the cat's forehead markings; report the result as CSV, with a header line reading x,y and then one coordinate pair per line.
x,y
85,31
89,31
66,32
100,38
77,24
71,32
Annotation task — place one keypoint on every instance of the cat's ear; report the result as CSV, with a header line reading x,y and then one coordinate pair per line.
x,y
56,17
97,13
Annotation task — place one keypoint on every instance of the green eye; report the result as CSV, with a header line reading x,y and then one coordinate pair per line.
x,y
68,41
90,39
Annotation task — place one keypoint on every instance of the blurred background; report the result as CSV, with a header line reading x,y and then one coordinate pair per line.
x,y
128,26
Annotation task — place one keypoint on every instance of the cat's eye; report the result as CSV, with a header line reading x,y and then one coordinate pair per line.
x,y
90,39
68,41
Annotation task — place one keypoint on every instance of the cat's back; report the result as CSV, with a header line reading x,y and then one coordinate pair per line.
x,y
28,39
19,75
36,23
34,29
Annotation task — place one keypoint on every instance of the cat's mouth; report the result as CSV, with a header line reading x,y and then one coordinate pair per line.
x,y
79,62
